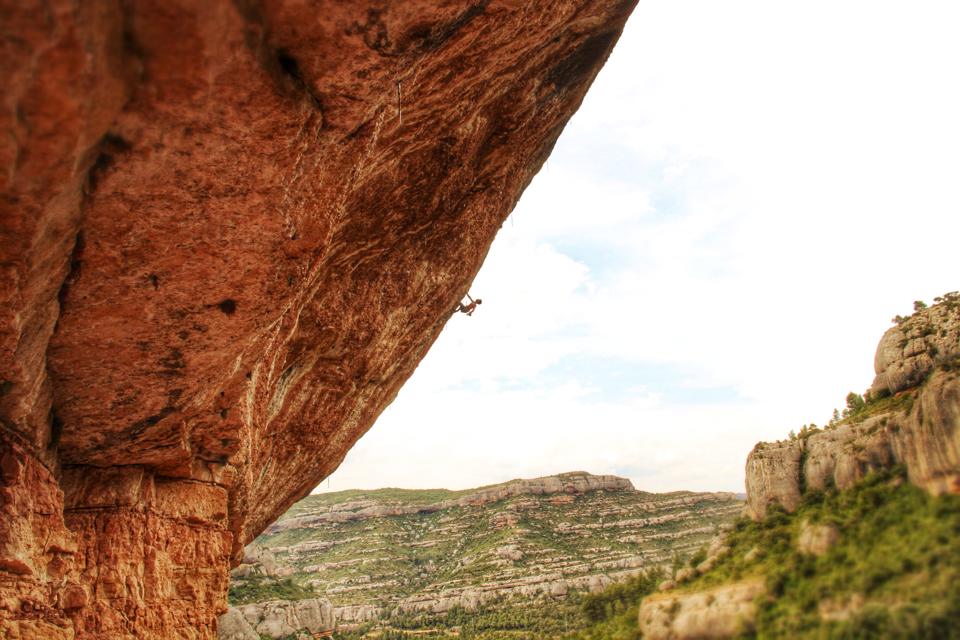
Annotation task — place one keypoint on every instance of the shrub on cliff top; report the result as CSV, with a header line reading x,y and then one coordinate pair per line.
x,y
263,588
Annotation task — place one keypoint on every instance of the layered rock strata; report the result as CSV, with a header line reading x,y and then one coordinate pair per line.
x,y
277,619
382,554
569,484
229,231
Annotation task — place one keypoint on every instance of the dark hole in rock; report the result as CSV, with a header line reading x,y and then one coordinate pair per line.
x,y
56,428
228,306
289,64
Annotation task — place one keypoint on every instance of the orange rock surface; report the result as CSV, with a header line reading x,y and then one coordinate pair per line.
x,y
230,231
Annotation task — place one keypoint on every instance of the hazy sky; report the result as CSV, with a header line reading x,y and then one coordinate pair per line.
x,y
751,190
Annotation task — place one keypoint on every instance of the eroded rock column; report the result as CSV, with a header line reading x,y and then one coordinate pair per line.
x,y
118,553
153,552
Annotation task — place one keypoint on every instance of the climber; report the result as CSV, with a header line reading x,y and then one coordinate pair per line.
x,y
468,308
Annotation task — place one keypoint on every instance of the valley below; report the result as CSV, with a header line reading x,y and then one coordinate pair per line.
x,y
846,531
509,560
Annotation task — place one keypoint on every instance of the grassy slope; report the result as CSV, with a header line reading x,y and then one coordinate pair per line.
x,y
260,589
898,550
898,556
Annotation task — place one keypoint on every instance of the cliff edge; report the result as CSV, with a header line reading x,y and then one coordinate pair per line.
x,y
911,416
851,530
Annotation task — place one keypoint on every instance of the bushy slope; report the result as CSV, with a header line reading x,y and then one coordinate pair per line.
x,y
893,573
612,614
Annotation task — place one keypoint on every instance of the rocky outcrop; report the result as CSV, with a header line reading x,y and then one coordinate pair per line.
x,y
773,470
576,482
918,427
233,626
911,418
912,349
921,431
357,613
229,231
816,539
257,561
527,588
276,619
722,612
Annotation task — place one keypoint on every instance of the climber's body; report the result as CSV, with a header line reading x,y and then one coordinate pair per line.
x,y
468,308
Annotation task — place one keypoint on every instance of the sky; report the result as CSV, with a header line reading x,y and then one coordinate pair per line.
x,y
749,193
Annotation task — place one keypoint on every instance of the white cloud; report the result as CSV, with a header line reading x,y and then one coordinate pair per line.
x,y
749,192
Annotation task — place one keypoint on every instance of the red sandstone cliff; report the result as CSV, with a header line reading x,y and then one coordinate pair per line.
x,y
230,231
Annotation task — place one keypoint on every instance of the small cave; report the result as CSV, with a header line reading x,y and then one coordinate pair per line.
x,y
228,306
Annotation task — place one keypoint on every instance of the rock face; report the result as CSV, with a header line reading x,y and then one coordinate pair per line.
x,y
723,612
280,619
276,619
910,351
352,614
773,470
381,554
230,231
918,427
816,539
233,626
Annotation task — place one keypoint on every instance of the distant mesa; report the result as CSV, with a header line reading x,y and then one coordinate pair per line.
x,y
378,503
526,548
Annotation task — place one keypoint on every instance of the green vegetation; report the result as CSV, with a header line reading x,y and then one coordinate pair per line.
x,y
949,300
895,572
612,614
855,404
262,588
609,615
806,431
859,409
547,618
